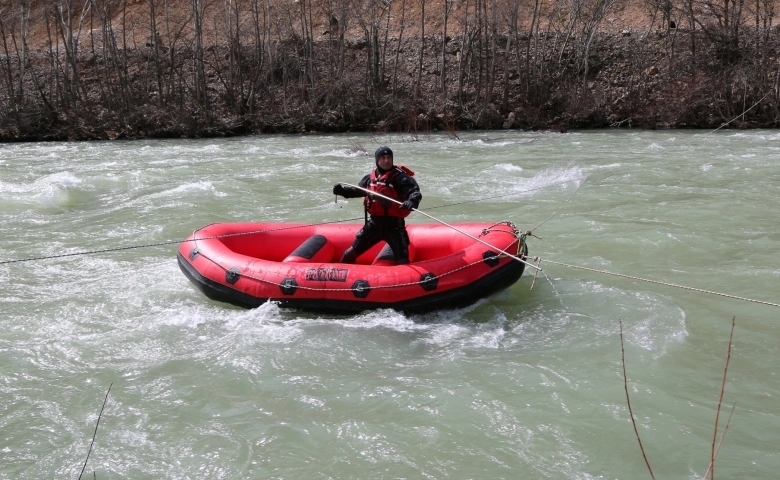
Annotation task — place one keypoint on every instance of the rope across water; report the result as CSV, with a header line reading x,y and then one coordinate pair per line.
x,y
666,284
176,242
536,259
173,242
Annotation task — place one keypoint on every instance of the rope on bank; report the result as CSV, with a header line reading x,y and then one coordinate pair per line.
x,y
741,114
674,285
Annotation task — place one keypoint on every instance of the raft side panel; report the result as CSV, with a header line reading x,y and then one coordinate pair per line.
x,y
497,280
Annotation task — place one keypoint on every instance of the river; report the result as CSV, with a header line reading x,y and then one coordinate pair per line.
x,y
525,384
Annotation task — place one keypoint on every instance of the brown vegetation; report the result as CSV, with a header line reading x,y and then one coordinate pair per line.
x,y
133,68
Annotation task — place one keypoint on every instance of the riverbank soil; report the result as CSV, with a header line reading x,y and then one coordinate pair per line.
x,y
109,69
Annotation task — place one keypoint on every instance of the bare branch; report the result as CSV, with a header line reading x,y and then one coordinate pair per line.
x,y
628,402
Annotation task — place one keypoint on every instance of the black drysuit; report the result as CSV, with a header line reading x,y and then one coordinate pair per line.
x,y
384,227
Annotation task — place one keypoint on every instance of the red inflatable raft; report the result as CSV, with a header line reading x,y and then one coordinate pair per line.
x,y
247,264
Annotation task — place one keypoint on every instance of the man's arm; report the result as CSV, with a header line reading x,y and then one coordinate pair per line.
x,y
408,188
351,192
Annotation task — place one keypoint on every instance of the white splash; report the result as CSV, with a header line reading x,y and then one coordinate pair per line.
x,y
509,167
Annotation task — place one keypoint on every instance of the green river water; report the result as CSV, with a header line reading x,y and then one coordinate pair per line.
x,y
525,384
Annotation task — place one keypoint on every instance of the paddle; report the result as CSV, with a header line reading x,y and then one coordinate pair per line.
x,y
446,224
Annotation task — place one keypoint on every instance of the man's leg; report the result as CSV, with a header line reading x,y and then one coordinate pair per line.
x,y
395,235
367,237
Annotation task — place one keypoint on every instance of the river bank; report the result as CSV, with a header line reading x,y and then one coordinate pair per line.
x,y
640,79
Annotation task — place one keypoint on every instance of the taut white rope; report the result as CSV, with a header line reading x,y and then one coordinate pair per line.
x,y
504,252
694,289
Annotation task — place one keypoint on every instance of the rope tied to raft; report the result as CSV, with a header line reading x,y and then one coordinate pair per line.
x,y
417,210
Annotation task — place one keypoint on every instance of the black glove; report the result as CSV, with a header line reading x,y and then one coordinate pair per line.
x,y
338,189
408,205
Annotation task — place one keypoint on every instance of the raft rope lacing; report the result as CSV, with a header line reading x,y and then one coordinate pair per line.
x,y
538,260
520,240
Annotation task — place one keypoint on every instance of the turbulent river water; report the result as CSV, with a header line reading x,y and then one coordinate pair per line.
x,y
525,384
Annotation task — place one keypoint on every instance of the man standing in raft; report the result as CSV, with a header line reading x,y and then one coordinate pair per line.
x,y
386,218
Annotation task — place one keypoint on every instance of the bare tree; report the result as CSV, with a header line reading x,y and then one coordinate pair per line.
x,y
448,5
422,50
11,99
721,22
199,79
399,47
595,12
66,17
511,16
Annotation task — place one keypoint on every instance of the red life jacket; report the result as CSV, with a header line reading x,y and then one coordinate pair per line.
x,y
383,185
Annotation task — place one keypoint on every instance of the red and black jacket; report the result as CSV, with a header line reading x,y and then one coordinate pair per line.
x,y
396,183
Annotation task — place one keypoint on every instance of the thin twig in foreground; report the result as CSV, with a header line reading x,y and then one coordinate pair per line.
x,y
95,433
722,436
628,401
720,401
